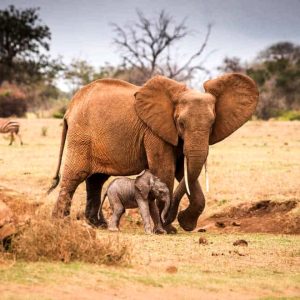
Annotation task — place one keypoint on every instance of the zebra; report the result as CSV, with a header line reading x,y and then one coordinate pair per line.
x,y
12,127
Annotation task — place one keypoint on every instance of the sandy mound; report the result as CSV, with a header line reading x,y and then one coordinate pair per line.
x,y
263,216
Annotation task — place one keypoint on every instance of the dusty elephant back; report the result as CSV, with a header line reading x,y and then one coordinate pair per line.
x,y
102,121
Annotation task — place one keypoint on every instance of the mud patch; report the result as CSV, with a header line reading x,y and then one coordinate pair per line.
x,y
263,216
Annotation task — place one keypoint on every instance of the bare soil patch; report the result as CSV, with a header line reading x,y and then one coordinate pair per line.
x,y
264,216
132,292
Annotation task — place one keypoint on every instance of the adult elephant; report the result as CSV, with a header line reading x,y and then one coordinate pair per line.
x,y
116,128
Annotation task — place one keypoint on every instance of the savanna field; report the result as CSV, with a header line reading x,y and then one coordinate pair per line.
x,y
254,196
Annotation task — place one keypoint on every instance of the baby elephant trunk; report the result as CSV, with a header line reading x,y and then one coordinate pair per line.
x,y
166,208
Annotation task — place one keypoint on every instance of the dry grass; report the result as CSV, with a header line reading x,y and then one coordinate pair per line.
x,y
67,241
41,238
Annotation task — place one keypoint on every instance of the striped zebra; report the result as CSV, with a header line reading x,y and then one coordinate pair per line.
x,y
12,127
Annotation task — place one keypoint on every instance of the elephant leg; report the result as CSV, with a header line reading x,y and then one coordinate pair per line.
x,y
161,162
168,178
178,194
94,185
143,205
118,210
154,212
70,181
189,217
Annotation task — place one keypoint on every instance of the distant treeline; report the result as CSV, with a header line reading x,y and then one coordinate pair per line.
x,y
29,77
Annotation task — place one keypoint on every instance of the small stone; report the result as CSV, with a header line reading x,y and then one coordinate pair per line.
x,y
203,241
202,230
239,253
240,243
234,223
171,269
214,254
220,224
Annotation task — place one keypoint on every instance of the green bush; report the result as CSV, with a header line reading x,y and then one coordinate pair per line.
x,y
289,115
59,114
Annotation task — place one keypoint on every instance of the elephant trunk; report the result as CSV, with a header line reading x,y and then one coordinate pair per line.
x,y
166,208
194,160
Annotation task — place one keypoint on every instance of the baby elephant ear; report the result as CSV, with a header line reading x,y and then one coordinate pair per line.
x,y
155,106
236,99
142,185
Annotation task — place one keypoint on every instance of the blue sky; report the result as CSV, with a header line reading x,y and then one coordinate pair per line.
x,y
81,29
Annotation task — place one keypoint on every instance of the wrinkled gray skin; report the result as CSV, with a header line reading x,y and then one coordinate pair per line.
x,y
139,193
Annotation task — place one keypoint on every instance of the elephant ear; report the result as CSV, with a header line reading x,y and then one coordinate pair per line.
x,y
155,106
236,99
143,184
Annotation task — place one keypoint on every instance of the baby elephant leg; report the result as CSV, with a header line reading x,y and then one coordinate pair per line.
x,y
158,228
145,213
117,212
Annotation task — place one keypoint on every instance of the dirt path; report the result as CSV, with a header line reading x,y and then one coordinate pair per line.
x,y
72,292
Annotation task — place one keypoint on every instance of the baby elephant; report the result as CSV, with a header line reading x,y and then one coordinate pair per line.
x,y
140,192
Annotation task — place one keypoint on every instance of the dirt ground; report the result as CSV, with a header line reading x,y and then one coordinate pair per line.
x,y
254,196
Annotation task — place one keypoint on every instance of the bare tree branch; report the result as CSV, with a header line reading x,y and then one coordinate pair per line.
x,y
146,47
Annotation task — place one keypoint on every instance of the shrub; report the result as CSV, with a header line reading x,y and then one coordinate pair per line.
x,y
12,102
59,114
289,115
10,105
66,241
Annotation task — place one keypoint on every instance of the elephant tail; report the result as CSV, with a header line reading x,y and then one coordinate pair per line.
x,y
56,178
101,204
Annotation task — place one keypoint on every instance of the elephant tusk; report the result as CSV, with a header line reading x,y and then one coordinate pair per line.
x,y
206,176
186,176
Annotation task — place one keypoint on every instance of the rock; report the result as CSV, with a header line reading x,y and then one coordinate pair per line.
x,y
239,253
203,241
171,269
206,227
234,223
220,224
240,243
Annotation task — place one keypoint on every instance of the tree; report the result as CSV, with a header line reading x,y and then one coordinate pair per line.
x,y
80,73
147,48
231,64
22,36
280,51
276,70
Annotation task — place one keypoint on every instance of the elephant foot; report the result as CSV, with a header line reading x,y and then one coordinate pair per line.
x,y
58,213
113,229
170,229
159,230
186,221
97,223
